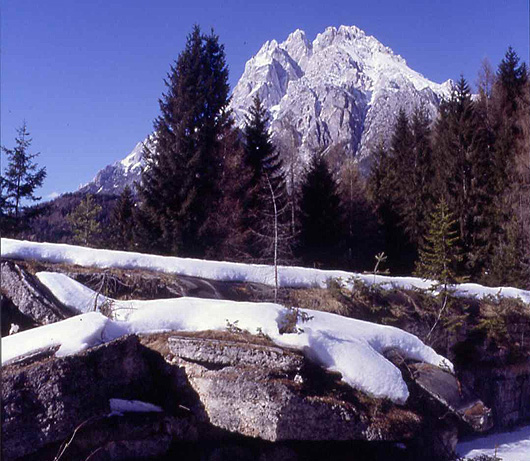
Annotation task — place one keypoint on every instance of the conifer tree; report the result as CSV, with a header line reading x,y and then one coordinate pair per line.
x,y
321,216
511,113
21,178
123,220
180,186
416,201
84,221
265,199
439,254
362,239
460,153
389,188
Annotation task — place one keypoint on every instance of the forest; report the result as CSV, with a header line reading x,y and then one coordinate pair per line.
x,y
447,199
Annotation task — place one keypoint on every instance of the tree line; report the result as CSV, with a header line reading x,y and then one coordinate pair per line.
x,y
475,158
450,193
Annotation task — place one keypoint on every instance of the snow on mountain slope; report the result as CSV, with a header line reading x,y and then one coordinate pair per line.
x,y
339,93
288,276
338,343
113,178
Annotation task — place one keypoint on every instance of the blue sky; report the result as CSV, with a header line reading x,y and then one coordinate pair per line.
x,y
87,75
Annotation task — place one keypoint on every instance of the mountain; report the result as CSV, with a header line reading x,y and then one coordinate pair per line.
x,y
339,93
113,178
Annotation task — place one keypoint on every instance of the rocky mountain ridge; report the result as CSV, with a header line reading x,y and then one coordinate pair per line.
x,y
337,94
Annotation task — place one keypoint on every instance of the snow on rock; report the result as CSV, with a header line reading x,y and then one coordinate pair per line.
x,y
351,347
120,406
72,335
73,295
289,276
508,446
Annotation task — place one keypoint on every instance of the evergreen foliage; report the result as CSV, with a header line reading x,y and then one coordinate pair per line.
x,y
21,178
439,254
463,159
389,184
510,112
361,239
181,185
265,200
321,215
123,220
84,221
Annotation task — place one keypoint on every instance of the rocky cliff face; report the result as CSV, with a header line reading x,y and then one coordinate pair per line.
x,y
113,178
339,93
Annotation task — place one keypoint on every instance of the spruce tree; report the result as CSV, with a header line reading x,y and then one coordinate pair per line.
x,y
439,253
265,199
321,216
180,186
84,221
360,223
389,188
456,157
123,220
416,202
511,114
21,178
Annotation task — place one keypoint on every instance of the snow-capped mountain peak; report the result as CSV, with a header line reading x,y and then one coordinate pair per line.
x,y
342,89
339,94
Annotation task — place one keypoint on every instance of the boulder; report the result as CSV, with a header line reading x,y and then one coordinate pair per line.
x,y
34,304
275,394
44,401
217,390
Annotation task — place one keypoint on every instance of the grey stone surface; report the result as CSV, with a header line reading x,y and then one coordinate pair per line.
x,y
445,388
215,352
29,296
45,401
266,392
505,389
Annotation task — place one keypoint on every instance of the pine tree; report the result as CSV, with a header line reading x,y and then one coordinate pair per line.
x,y
180,186
22,176
389,189
84,221
457,148
511,114
321,216
123,220
265,198
362,240
439,254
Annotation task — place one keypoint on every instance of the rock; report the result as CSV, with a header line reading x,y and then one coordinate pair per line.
x,y
44,401
443,387
505,389
275,394
11,316
34,304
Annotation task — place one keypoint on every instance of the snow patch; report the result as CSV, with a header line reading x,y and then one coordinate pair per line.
x,y
351,347
289,276
120,406
508,446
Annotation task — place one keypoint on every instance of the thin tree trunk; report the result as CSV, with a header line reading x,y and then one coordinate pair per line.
x,y
273,196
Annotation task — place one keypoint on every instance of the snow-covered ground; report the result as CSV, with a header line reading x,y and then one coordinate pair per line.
x,y
226,271
352,347
508,446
